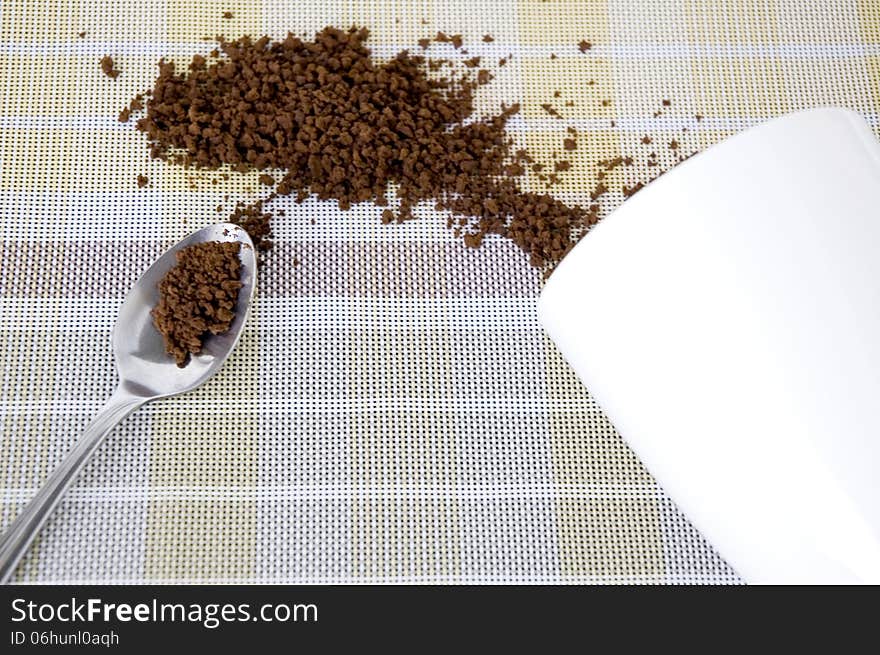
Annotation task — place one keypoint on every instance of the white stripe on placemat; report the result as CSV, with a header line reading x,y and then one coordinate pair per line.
x,y
461,490
289,313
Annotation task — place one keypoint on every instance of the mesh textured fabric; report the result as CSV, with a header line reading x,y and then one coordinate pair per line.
x,y
394,412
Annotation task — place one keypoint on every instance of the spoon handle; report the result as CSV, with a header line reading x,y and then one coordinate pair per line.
x,y
15,542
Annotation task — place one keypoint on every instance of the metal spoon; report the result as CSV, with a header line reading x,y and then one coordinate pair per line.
x,y
146,373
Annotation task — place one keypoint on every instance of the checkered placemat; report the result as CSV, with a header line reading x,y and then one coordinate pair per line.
x,y
394,413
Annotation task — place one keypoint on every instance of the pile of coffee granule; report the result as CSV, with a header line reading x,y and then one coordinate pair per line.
x,y
349,128
197,297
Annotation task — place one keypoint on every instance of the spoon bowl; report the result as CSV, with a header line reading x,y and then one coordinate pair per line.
x,y
144,366
146,373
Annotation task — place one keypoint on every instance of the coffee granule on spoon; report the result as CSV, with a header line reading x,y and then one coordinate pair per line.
x,y
197,297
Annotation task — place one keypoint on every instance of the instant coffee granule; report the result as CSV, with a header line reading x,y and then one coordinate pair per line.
x,y
255,221
346,127
197,297
108,67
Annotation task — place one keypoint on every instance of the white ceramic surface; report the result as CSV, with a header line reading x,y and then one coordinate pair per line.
x,y
727,319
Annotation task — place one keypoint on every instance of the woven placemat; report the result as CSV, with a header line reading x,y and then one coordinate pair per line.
x,y
394,412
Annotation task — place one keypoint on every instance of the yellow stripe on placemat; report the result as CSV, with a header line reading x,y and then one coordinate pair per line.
x,y
869,17
615,533
207,539
28,445
399,534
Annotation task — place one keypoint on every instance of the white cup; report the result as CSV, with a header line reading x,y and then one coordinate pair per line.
x,y
727,319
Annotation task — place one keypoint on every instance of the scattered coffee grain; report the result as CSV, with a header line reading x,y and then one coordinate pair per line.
x,y
108,67
254,220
